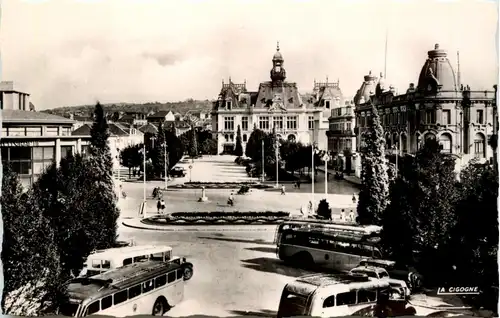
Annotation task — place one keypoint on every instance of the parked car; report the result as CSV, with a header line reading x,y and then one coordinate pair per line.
x,y
374,272
178,172
397,271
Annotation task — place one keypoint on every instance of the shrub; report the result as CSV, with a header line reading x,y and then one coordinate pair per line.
x,y
324,211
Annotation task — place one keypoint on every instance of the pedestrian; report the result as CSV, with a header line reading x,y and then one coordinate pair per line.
x,y
354,199
351,216
342,215
158,206
162,202
298,183
282,189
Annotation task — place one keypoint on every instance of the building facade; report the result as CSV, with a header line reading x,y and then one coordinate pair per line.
x,y
277,104
439,107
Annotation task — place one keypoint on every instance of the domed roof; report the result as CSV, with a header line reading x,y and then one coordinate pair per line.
x,y
367,89
437,70
277,56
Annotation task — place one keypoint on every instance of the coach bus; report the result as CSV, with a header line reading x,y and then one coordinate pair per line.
x,y
342,227
104,260
332,250
147,288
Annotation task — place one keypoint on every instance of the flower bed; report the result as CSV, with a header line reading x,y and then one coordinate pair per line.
x,y
219,185
223,218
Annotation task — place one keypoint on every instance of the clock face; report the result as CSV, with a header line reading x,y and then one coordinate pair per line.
x,y
278,68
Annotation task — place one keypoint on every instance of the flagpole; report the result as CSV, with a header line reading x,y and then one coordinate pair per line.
x,y
262,160
312,173
276,153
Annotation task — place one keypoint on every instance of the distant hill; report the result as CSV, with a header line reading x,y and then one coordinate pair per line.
x,y
175,107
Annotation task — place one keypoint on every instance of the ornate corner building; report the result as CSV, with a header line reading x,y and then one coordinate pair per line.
x,y
277,104
439,107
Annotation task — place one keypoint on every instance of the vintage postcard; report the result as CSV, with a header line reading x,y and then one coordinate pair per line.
x,y
282,158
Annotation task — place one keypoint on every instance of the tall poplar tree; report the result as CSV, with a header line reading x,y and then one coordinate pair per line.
x,y
158,159
238,150
375,182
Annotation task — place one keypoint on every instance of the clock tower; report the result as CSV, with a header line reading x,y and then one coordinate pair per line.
x,y
278,73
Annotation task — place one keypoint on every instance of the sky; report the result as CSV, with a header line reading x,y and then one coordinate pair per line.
x,y
73,52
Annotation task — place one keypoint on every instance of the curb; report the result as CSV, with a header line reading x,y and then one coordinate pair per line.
x,y
193,228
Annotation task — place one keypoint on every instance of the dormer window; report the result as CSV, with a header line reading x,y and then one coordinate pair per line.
x,y
327,104
228,105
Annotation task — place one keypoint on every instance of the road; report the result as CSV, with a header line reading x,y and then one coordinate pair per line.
x,y
234,272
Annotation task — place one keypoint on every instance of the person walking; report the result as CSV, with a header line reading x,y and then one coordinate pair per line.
x,y
353,199
298,184
283,189
162,202
342,215
351,216
158,206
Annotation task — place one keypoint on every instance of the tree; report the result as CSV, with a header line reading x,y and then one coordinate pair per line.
x,y
131,157
254,145
29,254
421,214
158,155
324,211
193,145
99,147
175,148
238,150
209,147
375,184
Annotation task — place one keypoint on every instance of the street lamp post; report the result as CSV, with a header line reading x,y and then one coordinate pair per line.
x,y
262,160
277,149
312,172
144,171
165,163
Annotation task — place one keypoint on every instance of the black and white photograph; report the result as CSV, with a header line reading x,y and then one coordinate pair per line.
x,y
229,158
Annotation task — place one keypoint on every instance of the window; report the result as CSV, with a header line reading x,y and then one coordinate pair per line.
x,y
180,274
244,138
134,291
171,277
228,123
327,104
278,123
93,308
446,117
291,122
244,123
66,151
479,116
120,297
147,286
20,153
140,258
4,131
348,126
106,302
127,261
329,302
51,131
66,131
17,131
445,141
311,122
348,298
264,122
160,281
33,131
366,296
479,146
339,111
228,104
430,117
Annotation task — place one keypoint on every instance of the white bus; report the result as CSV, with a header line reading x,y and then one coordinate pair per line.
x,y
103,260
340,227
323,295
332,250
148,288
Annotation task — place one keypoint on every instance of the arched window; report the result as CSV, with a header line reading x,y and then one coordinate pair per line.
x,y
418,137
388,143
479,146
292,138
403,147
395,140
445,141
430,136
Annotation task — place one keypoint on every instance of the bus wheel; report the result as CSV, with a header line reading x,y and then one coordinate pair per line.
x,y
188,272
160,307
304,260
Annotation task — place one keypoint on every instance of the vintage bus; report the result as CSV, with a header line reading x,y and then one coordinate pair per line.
x,y
326,295
341,227
342,252
103,260
147,288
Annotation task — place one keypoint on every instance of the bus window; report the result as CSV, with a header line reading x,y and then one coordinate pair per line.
x,y
91,273
157,257
127,261
96,263
106,302
106,264
376,253
329,302
168,255
141,258
120,297
93,308
160,281
147,286
179,274
134,291
348,298
384,274
171,277
366,296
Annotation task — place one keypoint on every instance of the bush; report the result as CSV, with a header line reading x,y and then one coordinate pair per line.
x,y
324,211
229,214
